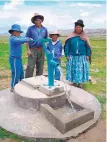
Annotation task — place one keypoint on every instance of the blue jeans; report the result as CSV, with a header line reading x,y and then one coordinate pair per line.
x,y
57,72
17,71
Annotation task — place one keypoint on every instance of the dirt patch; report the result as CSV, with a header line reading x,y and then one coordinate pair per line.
x,y
4,73
96,134
5,77
4,83
8,140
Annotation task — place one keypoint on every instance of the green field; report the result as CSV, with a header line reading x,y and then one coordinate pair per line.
x,y
97,67
97,70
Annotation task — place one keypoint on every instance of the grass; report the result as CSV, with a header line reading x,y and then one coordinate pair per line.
x,y
102,101
98,64
7,135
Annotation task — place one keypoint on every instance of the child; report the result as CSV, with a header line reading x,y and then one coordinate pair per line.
x,y
15,60
56,48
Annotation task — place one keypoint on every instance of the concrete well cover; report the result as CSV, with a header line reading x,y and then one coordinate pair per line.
x,y
32,124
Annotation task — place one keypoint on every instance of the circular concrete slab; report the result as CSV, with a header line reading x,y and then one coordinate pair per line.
x,y
32,124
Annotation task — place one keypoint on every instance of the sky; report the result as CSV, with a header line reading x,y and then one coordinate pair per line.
x,y
58,14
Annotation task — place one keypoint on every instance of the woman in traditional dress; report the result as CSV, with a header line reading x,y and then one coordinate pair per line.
x,y
78,53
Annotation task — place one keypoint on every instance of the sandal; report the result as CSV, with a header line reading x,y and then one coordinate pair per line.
x,y
70,84
74,84
79,86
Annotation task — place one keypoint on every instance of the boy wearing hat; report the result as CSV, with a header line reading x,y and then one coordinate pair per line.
x,y
55,46
15,60
35,49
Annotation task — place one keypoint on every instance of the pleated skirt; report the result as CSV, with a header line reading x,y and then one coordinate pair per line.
x,y
77,69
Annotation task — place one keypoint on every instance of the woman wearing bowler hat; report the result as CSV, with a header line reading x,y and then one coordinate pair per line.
x,y
78,52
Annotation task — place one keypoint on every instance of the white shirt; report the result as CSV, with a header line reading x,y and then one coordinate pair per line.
x,y
53,43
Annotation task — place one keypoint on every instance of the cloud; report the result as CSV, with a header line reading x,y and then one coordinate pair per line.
x,y
10,10
13,4
60,15
89,5
81,10
99,20
84,14
21,14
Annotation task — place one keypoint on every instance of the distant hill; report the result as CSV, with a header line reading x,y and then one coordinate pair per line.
x,y
90,32
93,32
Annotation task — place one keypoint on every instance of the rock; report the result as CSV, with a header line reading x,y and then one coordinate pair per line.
x,y
93,81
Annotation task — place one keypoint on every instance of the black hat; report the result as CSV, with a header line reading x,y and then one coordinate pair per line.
x,y
80,23
36,15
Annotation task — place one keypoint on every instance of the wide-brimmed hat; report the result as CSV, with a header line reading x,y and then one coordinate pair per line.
x,y
36,15
80,23
15,27
54,33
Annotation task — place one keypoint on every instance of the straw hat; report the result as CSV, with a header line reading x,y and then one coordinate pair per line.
x,y
54,33
36,15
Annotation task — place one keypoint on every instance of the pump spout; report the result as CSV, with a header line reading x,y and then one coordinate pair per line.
x,y
51,63
51,68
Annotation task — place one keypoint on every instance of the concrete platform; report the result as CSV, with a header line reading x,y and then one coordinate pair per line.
x,y
33,124
31,93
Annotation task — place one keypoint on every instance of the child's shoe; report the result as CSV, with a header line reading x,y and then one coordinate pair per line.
x,y
12,90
